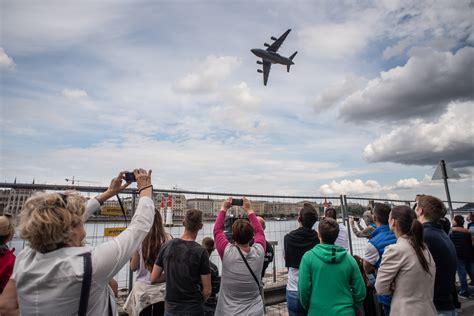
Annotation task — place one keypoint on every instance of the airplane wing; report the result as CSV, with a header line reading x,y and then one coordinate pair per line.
x,y
266,70
276,44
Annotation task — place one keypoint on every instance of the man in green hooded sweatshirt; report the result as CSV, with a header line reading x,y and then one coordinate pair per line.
x,y
330,282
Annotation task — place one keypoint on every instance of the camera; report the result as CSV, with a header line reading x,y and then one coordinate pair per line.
x,y
238,202
129,177
356,219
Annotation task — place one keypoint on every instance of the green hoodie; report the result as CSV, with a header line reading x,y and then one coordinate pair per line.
x,y
330,282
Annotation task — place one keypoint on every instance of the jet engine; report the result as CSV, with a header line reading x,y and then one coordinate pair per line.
x,y
259,70
273,38
259,62
266,45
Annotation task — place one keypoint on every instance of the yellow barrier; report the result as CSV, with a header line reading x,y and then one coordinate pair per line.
x,y
113,231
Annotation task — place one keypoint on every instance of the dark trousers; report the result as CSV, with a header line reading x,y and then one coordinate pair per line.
x,y
157,309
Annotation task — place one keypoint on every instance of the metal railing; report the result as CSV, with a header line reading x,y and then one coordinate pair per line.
x,y
279,211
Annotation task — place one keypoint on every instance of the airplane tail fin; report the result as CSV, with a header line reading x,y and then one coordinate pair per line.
x,y
293,56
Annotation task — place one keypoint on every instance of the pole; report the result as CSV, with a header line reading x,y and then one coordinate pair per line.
x,y
130,279
345,219
448,196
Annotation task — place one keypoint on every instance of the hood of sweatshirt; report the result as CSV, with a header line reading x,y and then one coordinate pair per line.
x,y
303,238
329,253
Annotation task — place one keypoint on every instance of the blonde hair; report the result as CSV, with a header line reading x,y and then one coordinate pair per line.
x,y
47,220
7,229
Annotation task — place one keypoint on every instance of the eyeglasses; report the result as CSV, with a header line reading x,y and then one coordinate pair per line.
x,y
415,206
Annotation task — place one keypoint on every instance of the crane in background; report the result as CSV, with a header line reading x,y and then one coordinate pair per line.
x,y
73,181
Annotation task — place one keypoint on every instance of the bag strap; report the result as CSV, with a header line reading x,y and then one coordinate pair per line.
x,y
247,264
86,284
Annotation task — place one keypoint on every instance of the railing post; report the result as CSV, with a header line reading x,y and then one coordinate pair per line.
x,y
345,219
130,274
274,265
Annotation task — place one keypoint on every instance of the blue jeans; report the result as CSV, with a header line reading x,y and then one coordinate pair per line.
x,y
294,304
462,270
448,313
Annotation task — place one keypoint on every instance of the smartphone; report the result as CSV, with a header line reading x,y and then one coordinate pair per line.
x,y
129,177
238,202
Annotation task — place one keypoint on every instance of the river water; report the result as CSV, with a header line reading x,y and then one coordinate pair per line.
x,y
275,231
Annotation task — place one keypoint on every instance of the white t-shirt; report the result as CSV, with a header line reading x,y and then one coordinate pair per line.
x,y
343,239
292,284
371,254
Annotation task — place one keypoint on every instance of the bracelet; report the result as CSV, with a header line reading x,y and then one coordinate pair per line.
x,y
148,186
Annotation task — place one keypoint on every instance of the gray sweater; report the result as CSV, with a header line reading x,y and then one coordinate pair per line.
x,y
239,294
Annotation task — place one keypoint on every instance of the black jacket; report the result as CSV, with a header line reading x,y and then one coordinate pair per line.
x,y
444,255
296,243
463,244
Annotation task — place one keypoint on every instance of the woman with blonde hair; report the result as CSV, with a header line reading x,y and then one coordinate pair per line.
x,y
55,274
7,258
148,299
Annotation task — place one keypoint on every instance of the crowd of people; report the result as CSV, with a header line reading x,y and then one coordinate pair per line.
x,y
408,267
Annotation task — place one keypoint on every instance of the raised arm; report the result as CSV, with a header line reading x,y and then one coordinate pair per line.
x,y
219,237
108,258
259,237
116,186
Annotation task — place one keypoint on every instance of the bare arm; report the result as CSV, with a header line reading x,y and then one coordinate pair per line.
x,y
114,188
114,286
135,262
368,268
156,273
9,300
206,286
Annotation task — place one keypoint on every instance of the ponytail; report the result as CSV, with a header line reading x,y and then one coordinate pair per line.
x,y
416,240
413,229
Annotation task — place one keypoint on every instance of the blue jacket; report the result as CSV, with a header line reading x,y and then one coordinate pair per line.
x,y
382,237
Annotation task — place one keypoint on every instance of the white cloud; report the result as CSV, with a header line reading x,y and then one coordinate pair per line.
x,y
407,183
423,87
334,94
239,110
194,165
397,49
333,40
207,75
6,62
73,94
355,187
425,143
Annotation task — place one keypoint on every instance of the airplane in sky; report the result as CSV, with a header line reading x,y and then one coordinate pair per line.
x,y
270,56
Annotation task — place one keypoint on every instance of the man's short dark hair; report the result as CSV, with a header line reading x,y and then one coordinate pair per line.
x,y
328,230
208,244
331,213
459,220
381,212
242,231
308,215
433,208
193,220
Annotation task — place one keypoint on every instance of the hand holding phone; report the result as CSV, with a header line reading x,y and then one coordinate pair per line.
x,y
129,177
237,202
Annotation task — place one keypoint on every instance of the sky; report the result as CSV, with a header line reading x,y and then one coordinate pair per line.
x,y
380,92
